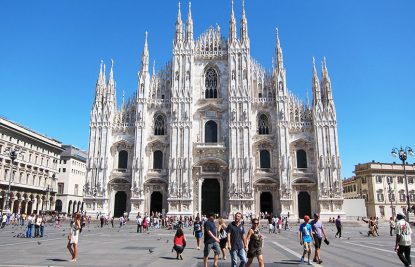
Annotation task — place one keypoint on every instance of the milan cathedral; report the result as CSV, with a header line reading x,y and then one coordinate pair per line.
x,y
213,131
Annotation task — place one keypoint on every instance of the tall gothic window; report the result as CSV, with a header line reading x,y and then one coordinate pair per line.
x,y
264,159
159,125
157,160
211,84
122,159
263,124
211,132
301,159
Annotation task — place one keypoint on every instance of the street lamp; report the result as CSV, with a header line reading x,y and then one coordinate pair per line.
x,y
12,153
390,197
403,155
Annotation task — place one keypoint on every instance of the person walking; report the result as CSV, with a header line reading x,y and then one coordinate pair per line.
x,y
237,241
73,237
254,247
318,233
38,222
122,221
179,243
339,227
211,241
42,225
30,220
391,225
197,231
403,239
139,224
223,237
305,238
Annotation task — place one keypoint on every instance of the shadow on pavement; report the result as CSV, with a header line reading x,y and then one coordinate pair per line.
x,y
57,260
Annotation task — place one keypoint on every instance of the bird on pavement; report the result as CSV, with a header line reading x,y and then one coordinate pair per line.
x,y
159,239
167,241
150,250
39,243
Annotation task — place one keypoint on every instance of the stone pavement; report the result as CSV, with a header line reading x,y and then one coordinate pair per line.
x,y
124,247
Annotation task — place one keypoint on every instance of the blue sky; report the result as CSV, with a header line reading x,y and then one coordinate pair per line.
x,y
50,53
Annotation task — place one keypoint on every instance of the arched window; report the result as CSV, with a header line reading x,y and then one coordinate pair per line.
x,y
157,160
159,125
264,159
122,159
263,124
211,84
211,132
301,159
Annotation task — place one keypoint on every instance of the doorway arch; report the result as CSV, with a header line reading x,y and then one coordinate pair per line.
x,y
69,207
58,205
210,196
120,205
304,204
156,202
266,202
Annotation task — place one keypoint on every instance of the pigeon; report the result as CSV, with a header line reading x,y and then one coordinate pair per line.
x,y
348,238
159,239
360,232
39,243
14,236
148,233
13,232
63,230
150,250
167,241
63,234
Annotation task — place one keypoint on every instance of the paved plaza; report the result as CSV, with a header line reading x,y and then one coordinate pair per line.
x,y
124,247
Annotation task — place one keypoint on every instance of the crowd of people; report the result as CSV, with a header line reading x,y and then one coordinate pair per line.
x,y
232,239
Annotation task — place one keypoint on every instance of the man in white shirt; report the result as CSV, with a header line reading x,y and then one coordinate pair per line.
x,y
403,239
139,224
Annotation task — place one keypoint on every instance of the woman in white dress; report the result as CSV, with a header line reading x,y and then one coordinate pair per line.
x,y
73,237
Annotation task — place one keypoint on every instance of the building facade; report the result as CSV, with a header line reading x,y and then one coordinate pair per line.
x,y
34,173
351,188
382,185
71,180
212,131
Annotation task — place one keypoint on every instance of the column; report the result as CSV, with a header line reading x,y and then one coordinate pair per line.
x,y
27,203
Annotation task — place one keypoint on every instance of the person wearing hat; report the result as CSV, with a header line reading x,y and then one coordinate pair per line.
x,y
318,234
403,239
305,238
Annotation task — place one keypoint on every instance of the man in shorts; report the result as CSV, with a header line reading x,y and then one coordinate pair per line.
x,y
318,234
305,238
403,239
211,241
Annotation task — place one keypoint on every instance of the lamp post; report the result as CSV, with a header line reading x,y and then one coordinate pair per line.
x,y
403,155
390,197
12,153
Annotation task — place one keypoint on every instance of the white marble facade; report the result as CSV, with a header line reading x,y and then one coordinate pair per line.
x,y
213,131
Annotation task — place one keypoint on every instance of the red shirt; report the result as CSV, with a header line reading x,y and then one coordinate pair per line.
x,y
178,240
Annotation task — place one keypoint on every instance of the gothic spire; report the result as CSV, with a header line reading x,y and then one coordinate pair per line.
x,y
145,56
189,25
179,26
232,26
111,78
315,85
278,54
244,24
325,82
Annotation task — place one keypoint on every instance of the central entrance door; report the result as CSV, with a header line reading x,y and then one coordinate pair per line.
x,y
304,204
120,205
210,196
156,203
266,202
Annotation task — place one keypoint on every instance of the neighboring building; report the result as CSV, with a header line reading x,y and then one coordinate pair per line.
x,y
71,180
213,131
372,183
351,188
33,187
